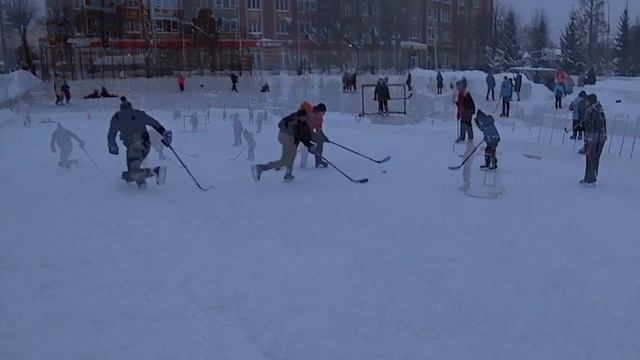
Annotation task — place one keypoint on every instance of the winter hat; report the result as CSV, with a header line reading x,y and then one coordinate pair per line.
x,y
320,108
306,106
582,94
125,104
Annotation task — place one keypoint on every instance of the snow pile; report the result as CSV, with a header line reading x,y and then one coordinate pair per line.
x,y
17,83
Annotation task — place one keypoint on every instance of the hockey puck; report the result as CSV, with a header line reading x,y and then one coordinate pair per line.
x,y
384,171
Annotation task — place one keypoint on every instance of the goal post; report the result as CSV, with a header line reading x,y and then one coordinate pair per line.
x,y
397,103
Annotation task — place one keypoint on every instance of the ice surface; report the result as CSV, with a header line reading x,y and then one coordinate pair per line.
x,y
405,267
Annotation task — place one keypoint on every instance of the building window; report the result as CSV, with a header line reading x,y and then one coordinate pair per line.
x,y
226,4
228,25
445,35
415,31
255,27
283,27
446,16
253,4
282,5
347,9
431,34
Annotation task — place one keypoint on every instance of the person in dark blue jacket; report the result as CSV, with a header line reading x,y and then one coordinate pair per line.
x,y
506,92
491,138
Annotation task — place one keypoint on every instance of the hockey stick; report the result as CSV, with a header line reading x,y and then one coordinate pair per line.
x,y
403,98
188,171
381,161
240,153
360,181
467,158
91,159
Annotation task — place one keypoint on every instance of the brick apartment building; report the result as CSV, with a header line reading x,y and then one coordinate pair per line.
x,y
267,34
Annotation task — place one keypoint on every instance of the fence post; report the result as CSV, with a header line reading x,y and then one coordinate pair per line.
x,y
624,134
553,127
635,137
615,120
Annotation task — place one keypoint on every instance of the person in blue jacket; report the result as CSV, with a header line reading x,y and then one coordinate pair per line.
x,y
559,93
506,92
491,137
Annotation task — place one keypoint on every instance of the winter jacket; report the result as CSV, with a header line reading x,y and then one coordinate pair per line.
x,y
131,124
382,92
558,90
518,86
296,126
560,77
578,106
248,137
466,107
491,81
486,124
506,90
62,138
439,79
234,78
181,79
595,124
315,122
237,127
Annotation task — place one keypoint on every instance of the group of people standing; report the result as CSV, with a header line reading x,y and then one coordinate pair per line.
x,y
508,88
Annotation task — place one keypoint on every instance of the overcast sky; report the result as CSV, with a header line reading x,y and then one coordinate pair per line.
x,y
558,12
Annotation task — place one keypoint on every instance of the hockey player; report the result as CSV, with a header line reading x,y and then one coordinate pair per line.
x,y
181,82
234,82
506,92
251,144
130,123
237,130
491,138
61,138
439,82
559,93
57,87
491,86
578,107
194,122
66,91
316,120
595,134
294,129
381,94
260,120
518,84
466,110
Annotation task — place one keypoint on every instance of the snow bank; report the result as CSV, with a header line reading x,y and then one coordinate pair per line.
x,y
17,83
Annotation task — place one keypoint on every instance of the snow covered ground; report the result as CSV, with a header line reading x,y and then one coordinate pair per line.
x,y
404,267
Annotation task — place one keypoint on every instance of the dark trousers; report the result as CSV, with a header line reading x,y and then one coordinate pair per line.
x,y
490,158
518,93
439,90
492,91
237,139
65,153
593,153
383,106
577,129
234,87
558,102
181,87
466,130
252,155
319,139
259,126
136,153
506,107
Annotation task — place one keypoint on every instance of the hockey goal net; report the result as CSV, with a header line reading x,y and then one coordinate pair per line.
x,y
397,103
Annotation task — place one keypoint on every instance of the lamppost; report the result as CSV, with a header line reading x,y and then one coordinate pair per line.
x,y
354,47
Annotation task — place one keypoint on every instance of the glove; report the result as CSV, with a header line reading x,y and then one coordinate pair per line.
x,y
113,149
53,149
167,137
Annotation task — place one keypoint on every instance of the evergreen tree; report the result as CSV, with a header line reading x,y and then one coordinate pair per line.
x,y
635,49
571,45
539,38
594,29
623,55
509,42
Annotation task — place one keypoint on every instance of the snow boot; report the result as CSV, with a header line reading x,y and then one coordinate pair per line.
x,y
322,165
256,172
160,172
487,163
587,183
573,137
289,178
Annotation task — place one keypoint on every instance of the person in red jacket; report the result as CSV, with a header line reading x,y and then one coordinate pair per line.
x,y
316,119
181,81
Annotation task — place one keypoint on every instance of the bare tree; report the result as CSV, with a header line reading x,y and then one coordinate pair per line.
x,y
21,13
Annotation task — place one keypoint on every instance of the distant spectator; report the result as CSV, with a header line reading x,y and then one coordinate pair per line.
x,y
105,94
94,95
181,81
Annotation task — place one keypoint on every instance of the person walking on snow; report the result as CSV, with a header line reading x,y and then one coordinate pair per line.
x,y
237,131
316,120
506,92
251,143
234,82
181,82
595,135
491,86
466,110
578,107
57,88
491,138
559,93
61,138
66,91
294,129
131,124
439,83
408,82
518,84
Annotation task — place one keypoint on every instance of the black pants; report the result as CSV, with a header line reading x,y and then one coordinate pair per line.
x,y
234,87
506,107
594,151
383,106
490,158
251,156
518,93
409,87
136,153
319,139
491,91
466,130
439,89
577,128
558,102
181,87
